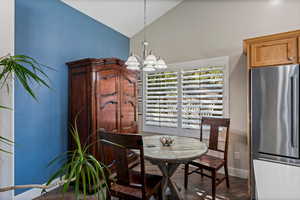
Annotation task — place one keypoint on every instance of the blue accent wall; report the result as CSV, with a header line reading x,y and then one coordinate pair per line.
x,y
53,33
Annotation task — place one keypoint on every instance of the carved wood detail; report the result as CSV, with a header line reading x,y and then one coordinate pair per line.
x,y
108,102
107,95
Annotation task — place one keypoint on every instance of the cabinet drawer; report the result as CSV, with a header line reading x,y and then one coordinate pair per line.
x,y
275,52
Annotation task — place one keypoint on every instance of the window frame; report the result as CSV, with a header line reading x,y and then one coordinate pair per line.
x,y
179,131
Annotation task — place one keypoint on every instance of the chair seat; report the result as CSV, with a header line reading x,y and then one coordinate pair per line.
x,y
134,189
209,162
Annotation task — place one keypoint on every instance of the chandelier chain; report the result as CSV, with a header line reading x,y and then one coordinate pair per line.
x,y
145,19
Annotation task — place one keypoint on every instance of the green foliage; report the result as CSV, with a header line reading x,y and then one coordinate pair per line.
x,y
7,142
81,169
15,67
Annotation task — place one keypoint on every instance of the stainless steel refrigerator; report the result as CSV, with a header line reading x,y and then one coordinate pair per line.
x,y
274,118
275,114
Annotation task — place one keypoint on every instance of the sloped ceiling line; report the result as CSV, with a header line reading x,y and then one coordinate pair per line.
x,y
124,16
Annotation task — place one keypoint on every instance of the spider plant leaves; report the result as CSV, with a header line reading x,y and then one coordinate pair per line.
x,y
8,152
60,158
15,67
5,107
83,178
7,142
27,71
58,174
81,169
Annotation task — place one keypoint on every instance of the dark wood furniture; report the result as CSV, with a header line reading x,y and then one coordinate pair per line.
x,y
211,163
130,184
102,94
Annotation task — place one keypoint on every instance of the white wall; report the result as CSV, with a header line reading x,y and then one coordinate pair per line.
x,y
198,29
6,116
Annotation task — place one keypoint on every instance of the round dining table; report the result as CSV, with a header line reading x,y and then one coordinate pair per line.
x,y
168,158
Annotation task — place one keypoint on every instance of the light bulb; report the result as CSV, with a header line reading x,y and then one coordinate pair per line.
x,y
150,60
132,60
133,67
161,64
148,68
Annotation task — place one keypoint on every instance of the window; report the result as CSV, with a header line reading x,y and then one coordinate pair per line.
x,y
162,99
176,99
202,94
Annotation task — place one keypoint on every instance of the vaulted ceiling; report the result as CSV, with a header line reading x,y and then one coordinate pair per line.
x,y
124,16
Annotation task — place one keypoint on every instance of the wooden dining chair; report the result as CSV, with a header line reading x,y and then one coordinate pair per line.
x,y
212,163
129,184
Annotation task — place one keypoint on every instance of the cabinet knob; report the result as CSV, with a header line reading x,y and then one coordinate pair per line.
x,y
290,58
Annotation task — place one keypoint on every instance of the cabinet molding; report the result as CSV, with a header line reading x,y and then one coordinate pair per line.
x,y
278,36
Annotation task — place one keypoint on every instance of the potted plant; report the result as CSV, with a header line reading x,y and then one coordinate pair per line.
x,y
78,166
81,170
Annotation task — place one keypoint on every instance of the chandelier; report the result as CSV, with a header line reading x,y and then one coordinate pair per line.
x,y
148,61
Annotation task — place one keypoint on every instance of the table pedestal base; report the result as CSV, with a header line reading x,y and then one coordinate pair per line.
x,y
168,169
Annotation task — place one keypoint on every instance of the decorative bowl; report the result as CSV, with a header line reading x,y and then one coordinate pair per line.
x,y
166,140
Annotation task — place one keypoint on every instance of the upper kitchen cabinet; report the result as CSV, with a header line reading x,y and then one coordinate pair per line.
x,y
298,49
275,52
272,50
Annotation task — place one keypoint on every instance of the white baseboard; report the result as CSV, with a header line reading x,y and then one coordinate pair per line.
x,y
34,193
241,173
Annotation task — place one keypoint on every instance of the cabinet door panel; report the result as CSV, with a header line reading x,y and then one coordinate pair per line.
x,y
275,52
129,103
78,106
107,108
107,100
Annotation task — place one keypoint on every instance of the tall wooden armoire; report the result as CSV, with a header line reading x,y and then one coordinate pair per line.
x,y
102,94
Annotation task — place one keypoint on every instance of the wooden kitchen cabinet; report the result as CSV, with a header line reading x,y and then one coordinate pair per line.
x,y
299,49
276,52
103,93
272,50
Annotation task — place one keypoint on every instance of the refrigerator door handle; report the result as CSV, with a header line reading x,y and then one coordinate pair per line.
x,y
292,112
296,107
295,110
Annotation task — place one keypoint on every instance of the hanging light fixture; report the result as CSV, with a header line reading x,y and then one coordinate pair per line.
x,y
148,62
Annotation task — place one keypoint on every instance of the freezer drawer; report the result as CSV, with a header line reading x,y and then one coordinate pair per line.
x,y
283,186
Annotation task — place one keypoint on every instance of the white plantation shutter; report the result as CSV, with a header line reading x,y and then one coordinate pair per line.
x,y
176,99
162,99
202,95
